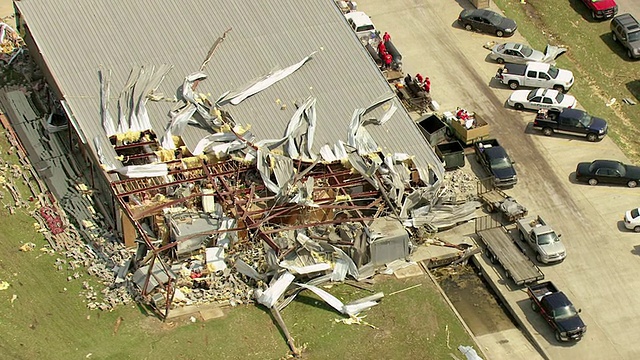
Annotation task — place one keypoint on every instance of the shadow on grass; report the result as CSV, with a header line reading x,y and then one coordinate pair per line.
x,y
634,88
616,47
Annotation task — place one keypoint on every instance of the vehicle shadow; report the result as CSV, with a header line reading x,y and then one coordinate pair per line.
x,y
496,84
634,88
583,11
636,250
615,47
621,227
539,324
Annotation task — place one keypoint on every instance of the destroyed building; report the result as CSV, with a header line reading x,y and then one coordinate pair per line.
x,y
235,135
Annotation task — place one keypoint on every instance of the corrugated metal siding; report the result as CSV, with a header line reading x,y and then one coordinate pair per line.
x,y
76,37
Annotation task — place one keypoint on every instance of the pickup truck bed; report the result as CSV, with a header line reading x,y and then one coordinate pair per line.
x,y
542,289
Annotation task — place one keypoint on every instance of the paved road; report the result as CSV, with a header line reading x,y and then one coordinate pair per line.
x,y
601,272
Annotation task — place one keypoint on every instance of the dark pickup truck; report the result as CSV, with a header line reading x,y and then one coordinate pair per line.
x,y
557,310
496,161
570,121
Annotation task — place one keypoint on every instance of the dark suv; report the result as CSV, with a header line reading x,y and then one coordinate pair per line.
x,y
626,29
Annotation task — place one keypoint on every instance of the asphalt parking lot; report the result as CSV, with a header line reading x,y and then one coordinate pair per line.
x,y
600,274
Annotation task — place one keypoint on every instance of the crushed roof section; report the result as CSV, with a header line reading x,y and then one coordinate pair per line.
x,y
78,38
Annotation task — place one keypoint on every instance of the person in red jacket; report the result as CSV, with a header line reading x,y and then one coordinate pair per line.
x,y
388,59
386,37
427,84
382,49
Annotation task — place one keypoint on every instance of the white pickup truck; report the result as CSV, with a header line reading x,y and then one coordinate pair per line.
x,y
542,239
535,74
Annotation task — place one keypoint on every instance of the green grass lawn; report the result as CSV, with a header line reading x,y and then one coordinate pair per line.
x,y
601,66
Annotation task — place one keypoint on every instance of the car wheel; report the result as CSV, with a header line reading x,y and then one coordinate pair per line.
x,y
468,27
637,229
593,15
547,131
629,54
518,106
534,306
499,33
500,61
513,85
613,36
539,258
593,182
521,235
559,88
632,183
558,338
592,137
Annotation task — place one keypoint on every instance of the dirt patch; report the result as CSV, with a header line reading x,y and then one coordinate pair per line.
x,y
473,300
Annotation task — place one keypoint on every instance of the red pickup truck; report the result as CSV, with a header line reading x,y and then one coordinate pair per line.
x,y
602,9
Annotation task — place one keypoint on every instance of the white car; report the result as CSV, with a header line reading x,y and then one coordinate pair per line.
x,y
537,99
632,220
517,53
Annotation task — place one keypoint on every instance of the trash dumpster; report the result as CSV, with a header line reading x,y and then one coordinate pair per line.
x,y
452,153
433,128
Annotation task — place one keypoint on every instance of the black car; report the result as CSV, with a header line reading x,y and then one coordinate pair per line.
x,y
487,21
608,171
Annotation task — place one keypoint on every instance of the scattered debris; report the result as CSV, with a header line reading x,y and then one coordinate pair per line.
x,y
4,285
14,298
116,327
403,290
28,247
628,101
611,102
469,352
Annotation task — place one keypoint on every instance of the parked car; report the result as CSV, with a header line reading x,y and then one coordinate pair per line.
x,y
626,30
557,310
540,98
632,219
535,75
571,122
602,9
608,171
487,21
361,23
516,53
495,160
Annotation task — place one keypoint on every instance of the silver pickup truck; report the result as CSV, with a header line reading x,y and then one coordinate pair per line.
x,y
542,239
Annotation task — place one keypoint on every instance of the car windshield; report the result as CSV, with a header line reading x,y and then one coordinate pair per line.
x,y
635,213
559,97
634,36
526,51
564,312
586,119
553,72
532,94
500,163
548,238
494,18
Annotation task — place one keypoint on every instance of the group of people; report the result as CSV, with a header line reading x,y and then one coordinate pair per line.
x,y
422,83
387,59
465,119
